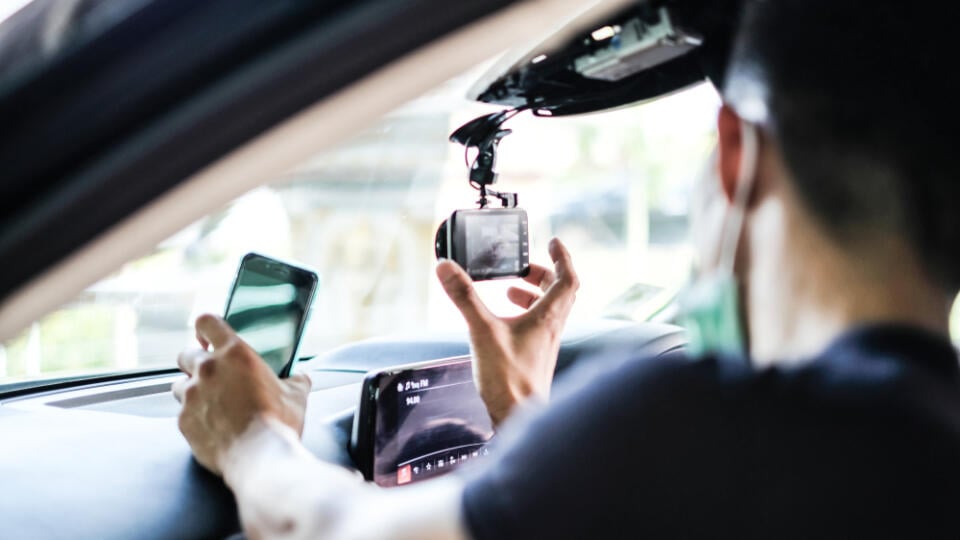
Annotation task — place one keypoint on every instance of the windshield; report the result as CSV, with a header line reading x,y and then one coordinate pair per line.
x,y
613,186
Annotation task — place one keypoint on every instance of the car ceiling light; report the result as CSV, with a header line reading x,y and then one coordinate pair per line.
x,y
635,46
603,33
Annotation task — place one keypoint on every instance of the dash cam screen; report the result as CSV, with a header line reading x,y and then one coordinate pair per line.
x,y
493,243
429,421
267,310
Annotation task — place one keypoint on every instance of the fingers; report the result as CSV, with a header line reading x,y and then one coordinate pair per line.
x,y
522,297
459,287
566,276
179,388
559,298
214,331
540,276
191,362
563,263
189,359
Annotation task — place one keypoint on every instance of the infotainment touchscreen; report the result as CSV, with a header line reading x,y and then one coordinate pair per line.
x,y
420,421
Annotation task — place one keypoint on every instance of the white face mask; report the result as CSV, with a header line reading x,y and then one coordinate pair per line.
x,y
710,306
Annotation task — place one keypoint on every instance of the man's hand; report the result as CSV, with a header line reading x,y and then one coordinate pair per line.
x,y
515,357
226,390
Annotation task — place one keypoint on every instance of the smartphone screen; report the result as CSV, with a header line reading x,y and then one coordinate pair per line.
x,y
268,308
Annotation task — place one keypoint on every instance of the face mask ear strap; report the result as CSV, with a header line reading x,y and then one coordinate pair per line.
x,y
733,228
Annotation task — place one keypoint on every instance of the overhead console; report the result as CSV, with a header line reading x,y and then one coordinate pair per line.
x,y
644,52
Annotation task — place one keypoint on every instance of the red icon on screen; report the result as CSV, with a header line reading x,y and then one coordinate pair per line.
x,y
403,475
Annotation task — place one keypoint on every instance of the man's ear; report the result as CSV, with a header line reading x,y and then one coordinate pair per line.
x,y
730,149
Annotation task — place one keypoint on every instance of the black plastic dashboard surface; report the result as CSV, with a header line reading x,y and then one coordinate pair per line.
x,y
105,467
74,471
73,474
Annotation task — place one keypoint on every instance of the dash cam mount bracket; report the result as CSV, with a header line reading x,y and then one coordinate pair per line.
x,y
485,133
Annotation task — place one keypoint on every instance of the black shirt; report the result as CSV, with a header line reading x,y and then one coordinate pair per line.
x,y
860,442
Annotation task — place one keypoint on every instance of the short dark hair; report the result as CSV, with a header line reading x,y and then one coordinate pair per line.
x,y
861,96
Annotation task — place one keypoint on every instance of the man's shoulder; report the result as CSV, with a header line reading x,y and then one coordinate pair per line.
x,y
673,375
671,398
653,437
713,386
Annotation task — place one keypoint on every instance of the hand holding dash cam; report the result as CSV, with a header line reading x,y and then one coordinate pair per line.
x,y
489,243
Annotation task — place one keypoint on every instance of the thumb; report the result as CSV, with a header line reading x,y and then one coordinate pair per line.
x,y
562,292
459,287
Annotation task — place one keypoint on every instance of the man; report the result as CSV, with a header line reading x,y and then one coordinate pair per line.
x,y
838,243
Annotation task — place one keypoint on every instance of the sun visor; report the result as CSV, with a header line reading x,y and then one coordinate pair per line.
x,y
644,52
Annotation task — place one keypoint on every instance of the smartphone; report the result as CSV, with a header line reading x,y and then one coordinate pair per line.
x,y
269,306
419,421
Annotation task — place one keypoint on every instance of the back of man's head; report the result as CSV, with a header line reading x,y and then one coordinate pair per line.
x,y
860,96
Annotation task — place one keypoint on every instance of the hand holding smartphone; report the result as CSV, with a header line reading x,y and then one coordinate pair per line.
x,y
268,307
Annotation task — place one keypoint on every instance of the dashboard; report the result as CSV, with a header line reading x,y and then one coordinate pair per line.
x,y
108,461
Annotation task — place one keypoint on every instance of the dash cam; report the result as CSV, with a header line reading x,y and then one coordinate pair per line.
x,y
489,243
